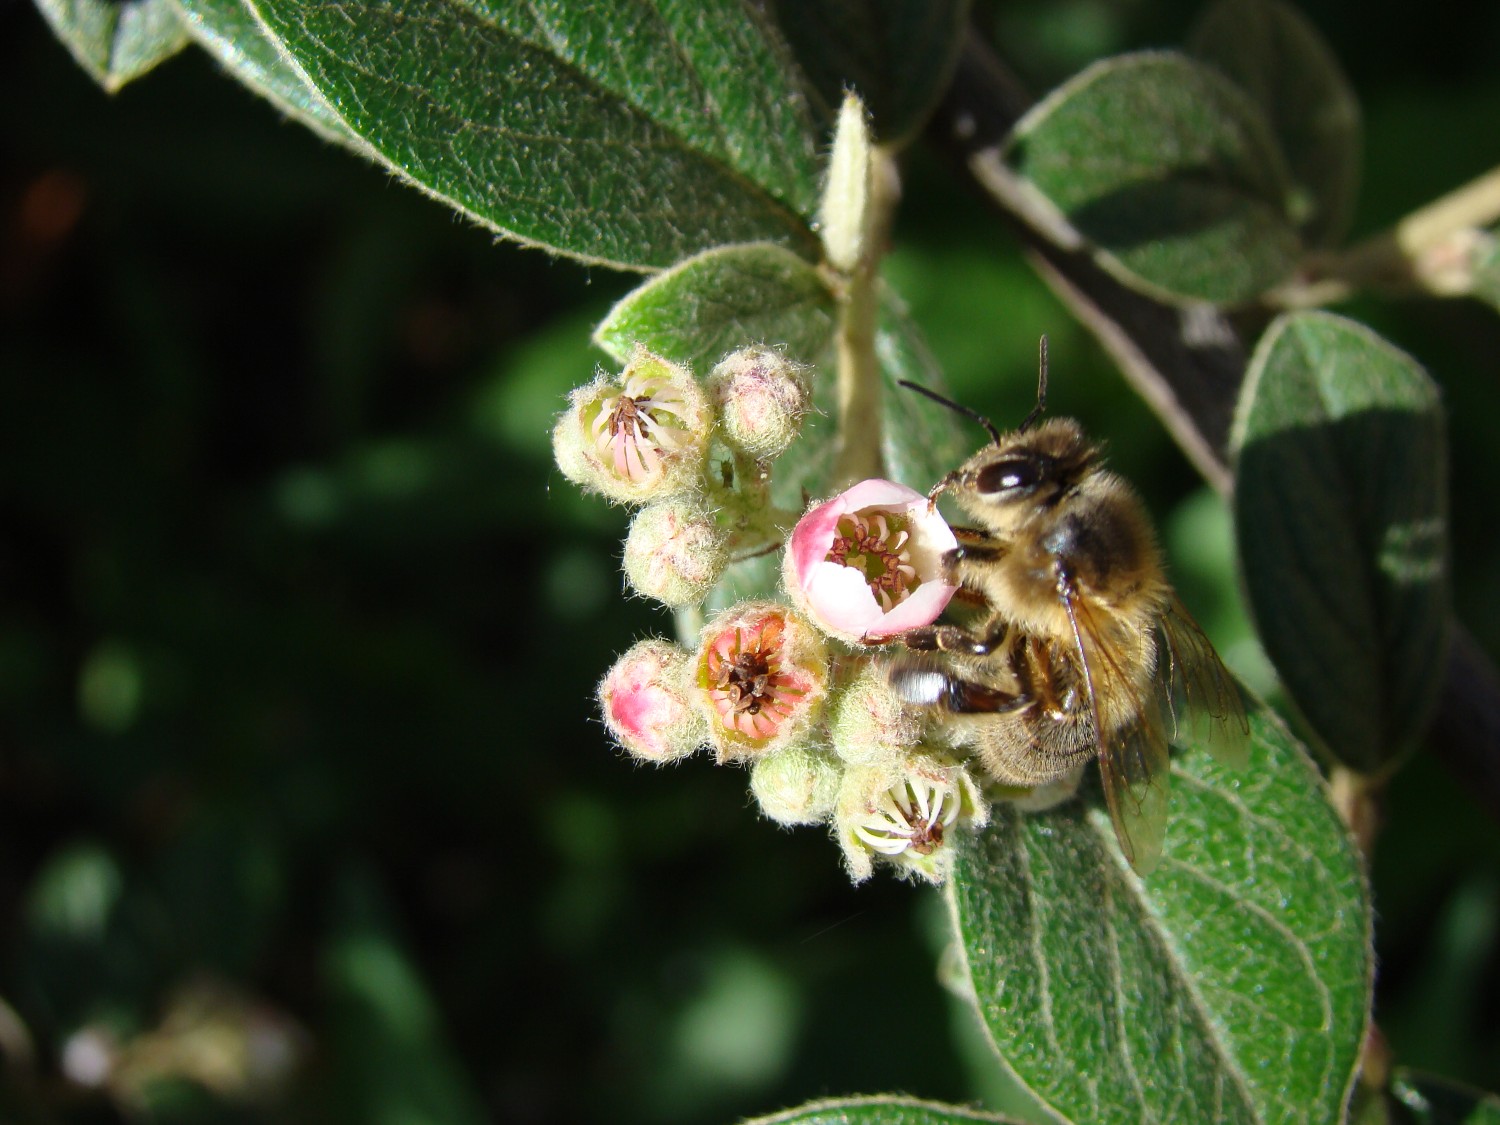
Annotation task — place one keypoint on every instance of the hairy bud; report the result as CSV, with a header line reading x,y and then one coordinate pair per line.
x,y
675,551
796,785
761,397
646,704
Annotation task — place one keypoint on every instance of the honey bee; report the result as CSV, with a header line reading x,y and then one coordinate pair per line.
x,y
1081,648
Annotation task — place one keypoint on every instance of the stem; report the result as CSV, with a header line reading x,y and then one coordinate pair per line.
x,y
1429,251
859,456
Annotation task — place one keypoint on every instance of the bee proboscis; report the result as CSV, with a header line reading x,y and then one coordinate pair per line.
x,y
1081,648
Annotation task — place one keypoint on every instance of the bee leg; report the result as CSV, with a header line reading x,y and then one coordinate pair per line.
x,y
932,687
951,638
972,557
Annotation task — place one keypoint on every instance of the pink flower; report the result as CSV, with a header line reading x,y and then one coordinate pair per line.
x,y
762,675
868,564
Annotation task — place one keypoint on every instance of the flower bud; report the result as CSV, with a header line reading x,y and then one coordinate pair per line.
x,y
636,437
906,815
869,723
868,564
844,212
675,551
796,785
761,397
762,674
646,705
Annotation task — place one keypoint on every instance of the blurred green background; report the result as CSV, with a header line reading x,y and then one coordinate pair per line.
x,y
305,814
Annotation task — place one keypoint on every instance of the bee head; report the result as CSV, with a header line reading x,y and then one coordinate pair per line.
x,y
1022,473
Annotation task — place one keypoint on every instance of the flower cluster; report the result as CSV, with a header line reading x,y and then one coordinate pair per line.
x,y
797,690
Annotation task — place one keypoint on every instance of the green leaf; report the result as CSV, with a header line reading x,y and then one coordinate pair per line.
x,y
227,30
896,54
1274,54
922,440
116,41
631,134
389,1048
1341,515
721,300
1232,985
1431,1100
888,1110
1170,171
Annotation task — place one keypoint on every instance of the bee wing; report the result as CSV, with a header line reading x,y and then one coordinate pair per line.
x,y
1201,698
1134,759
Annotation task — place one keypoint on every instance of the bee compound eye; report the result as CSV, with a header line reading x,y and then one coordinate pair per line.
x,y
1009,475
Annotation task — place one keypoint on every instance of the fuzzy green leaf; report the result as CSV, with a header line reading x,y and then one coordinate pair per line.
x,y
1170,171
633,134
1274,54
1430,1100
1232,985
896,54
888,1110
116,41
721,300
1341,514
227,30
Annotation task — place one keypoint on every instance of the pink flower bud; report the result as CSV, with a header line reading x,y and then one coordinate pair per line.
x,y
646,705
761,397
636,437
675,551
762,675
868,564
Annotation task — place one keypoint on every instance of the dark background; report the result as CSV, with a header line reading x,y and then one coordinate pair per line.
x,y
299,630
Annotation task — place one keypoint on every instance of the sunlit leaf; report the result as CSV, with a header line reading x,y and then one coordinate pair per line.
x,y
721,300
1231,985
116,40
1341,514
1170,171
628,134
1275,55
228,31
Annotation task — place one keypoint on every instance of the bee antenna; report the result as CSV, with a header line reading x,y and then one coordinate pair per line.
x,y
1041,391
951,405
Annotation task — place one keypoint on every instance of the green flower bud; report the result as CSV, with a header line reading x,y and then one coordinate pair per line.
x,y
869,723
761,397
796,785
675,551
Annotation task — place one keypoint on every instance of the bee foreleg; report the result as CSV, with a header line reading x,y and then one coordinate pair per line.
x,y
951,638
